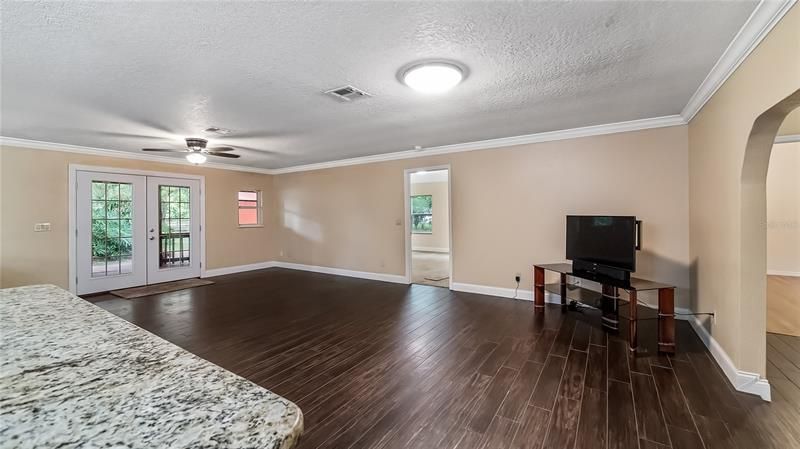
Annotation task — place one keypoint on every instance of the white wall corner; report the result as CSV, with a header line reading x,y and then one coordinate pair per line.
x,y
743,381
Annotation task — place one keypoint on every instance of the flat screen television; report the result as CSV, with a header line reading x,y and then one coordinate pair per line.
x,y
602,240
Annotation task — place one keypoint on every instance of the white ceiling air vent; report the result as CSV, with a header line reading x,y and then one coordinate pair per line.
x,y
347,93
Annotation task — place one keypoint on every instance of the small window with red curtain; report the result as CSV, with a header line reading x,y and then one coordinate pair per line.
x,y
250,208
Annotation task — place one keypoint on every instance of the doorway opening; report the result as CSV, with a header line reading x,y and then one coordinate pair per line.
x,y
130,228
783,256
754,236
428,227
783,236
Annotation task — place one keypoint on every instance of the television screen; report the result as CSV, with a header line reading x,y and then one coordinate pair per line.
x,y
604,240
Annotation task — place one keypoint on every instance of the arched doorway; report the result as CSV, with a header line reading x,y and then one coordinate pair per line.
x,y
754,218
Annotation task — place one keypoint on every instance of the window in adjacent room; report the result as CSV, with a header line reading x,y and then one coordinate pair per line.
x,y
421,214
250,213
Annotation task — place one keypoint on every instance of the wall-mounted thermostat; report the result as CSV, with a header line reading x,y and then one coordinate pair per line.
x,y
41,227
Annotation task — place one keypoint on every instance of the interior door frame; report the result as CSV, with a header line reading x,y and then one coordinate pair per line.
x,y
407,220
73,213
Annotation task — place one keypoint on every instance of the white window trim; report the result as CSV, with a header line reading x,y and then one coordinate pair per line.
x,y
259,208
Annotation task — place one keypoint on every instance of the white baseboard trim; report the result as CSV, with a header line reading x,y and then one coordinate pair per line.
x,y
527,295
743,381
783,273
396,278
237,269
502,292
430,249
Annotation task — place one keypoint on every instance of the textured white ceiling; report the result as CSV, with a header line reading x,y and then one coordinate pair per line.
x,y
106,75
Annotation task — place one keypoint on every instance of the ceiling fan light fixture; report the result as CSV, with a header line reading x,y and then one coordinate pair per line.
x,y
196,158
433,77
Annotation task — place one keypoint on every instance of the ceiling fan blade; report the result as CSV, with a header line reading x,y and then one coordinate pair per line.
x,y
232,156
164,150
221,149
127,135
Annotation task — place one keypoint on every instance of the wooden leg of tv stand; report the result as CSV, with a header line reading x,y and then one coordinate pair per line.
x,y
633,336
538,289
666,320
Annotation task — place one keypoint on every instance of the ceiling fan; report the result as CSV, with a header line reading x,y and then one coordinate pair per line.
x,y
196,147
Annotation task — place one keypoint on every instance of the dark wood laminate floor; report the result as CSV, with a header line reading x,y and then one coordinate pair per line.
x,y
379,365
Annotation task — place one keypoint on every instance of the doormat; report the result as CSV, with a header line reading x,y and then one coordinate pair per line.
x,y
437,279
155,289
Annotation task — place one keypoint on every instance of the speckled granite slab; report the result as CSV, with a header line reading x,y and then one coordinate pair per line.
x,y
75,376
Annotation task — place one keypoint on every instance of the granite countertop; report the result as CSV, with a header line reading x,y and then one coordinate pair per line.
x,y
73,375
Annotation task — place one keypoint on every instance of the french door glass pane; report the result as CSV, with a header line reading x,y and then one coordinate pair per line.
x,y
175,226
112,215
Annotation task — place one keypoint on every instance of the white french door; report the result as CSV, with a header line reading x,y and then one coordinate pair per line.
x,y
173,229
135,230
111,222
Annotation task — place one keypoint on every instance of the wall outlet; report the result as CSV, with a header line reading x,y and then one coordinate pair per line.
x,y
517,277
576,282
41,227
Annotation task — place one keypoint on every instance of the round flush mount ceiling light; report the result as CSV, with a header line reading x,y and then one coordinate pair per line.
x,y
196,158
432,77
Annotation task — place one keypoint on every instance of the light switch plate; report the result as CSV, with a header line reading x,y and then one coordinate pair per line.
x,y
41,227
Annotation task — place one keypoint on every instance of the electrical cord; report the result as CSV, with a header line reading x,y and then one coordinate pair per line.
x,y
516,289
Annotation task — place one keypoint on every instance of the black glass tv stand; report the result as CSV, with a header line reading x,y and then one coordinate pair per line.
x,y
608,300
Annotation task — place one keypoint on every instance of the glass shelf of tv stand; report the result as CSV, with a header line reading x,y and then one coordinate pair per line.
x,y
637,284
593,299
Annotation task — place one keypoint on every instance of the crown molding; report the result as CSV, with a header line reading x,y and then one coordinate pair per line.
x,y
52,146
788,138
763,18
550,136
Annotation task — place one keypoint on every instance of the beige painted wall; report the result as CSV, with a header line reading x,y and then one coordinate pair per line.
x,y
440,237
33,185
783,209
718,136
791,125
352,217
